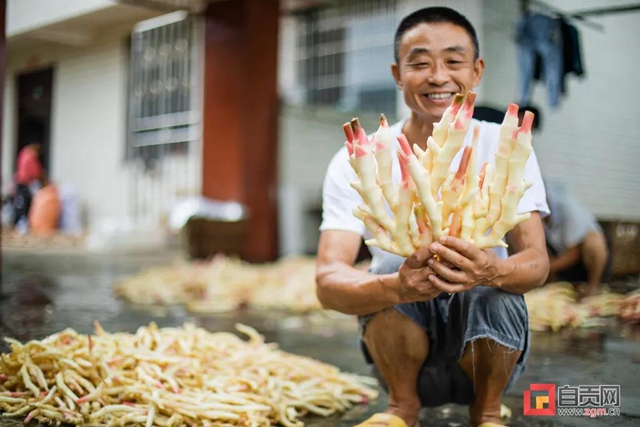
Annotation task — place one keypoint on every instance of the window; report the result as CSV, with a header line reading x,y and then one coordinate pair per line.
x,y
343,53
162,103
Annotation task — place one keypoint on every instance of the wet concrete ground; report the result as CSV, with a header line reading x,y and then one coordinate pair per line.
x,y
43,293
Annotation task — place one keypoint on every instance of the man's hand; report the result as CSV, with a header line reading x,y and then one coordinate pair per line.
x,y
413,278
462,266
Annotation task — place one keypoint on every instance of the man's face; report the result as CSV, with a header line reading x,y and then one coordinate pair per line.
x,y
435,62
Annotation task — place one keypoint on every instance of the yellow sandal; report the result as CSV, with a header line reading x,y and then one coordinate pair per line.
x,y
383,420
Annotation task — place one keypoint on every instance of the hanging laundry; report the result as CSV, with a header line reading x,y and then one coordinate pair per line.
x,y
571,53
538,34
571,49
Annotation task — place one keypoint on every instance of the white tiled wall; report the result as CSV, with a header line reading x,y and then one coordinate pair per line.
x,y
592,142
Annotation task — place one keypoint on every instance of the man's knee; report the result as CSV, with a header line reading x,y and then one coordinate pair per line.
x,y
388,322
484,308
379,320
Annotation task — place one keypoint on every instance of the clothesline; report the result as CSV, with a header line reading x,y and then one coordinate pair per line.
x,y
579,16
542,7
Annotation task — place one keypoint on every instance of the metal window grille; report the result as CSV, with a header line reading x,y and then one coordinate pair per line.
x,y
161,102
164,113
343,54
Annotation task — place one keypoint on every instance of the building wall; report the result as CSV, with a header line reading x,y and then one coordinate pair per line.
x,y
591,142
308,139
25,15
88,123
88,132
89,118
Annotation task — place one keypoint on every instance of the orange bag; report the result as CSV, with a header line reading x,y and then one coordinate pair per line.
x,y
45,211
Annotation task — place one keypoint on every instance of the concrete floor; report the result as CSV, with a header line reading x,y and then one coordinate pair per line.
x,y
43,293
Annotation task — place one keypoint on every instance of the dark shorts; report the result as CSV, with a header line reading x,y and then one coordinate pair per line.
x,y
450,323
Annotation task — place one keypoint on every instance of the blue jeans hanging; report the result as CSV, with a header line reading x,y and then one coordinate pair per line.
x,y
539,35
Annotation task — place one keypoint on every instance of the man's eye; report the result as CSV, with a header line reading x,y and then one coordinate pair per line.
x,y
455,62
420,64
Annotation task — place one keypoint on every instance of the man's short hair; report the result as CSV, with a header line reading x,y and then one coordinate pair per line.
x,y
435,15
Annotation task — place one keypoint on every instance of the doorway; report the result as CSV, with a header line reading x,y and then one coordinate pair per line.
x,y
34,112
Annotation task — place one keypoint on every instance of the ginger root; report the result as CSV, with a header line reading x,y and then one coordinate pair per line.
x,y
431,200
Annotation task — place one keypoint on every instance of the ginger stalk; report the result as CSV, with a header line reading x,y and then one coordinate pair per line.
x,y
455,138
471,188
384,148
362,160
516,186
402,210
380,237
421,181
452,190
439,136
498,185
426,238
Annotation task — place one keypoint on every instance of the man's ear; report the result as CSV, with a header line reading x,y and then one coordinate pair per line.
x,y
395,72
478,70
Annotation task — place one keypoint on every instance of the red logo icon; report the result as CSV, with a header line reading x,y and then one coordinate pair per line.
x,y
540,399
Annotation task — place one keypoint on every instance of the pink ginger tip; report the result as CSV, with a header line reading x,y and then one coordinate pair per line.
x,y
458,124
379,146
512,110
527,122
468,103
348,132
363,144
456,104
404,144
464,162
404,168
476,133
350,149
383,121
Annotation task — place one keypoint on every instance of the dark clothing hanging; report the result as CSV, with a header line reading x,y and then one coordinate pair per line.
x,y
571,52
571,49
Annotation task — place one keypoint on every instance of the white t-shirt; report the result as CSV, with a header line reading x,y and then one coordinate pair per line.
x,y
339,198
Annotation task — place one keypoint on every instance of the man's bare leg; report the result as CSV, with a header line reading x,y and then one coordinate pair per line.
x,y
594,255
398,347
489,365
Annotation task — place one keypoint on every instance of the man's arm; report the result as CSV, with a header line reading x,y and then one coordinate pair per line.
x,y
525,270
565,260
343,288
528,267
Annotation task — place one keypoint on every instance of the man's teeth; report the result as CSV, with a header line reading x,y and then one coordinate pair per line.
x,y
439,95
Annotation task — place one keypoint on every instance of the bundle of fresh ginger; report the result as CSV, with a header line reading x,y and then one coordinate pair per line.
x,y
430,200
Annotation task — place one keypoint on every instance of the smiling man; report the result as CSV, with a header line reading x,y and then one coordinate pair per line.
x,y
435,332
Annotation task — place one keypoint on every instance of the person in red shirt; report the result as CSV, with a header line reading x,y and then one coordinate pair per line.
x,y
28,171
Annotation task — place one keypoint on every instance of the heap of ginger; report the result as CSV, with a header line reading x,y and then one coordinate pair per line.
x,y
430,200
